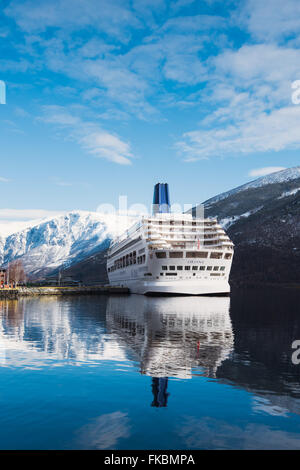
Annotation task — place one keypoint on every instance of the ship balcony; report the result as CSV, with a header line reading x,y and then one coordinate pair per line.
x,y
184,233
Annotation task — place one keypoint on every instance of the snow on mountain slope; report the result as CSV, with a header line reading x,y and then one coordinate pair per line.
x,y
289,193
2,243
62,241
277,177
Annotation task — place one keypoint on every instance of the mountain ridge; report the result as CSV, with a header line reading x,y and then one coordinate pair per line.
x,y
277,177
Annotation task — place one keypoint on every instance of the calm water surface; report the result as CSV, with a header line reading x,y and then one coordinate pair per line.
x,y
160,373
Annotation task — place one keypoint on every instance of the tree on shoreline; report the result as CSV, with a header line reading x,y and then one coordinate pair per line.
x,y
16,272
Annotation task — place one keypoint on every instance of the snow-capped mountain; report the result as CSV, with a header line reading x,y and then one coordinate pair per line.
x,y
282,176
263,220
252,197
64,240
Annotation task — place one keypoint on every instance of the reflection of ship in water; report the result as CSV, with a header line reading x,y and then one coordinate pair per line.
x,y
172,336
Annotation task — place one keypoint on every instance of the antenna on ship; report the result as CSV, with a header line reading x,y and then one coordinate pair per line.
x,y
161,200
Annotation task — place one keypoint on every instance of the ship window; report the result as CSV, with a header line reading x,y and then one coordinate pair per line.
x,y
172,268
196,254
187,268
164,268
142,250
202,268
216,255
148,274
161,274
144,258
195,268
216,268
176,254
228,256
171,274
179,268
222,268
161,254
215,274
209,268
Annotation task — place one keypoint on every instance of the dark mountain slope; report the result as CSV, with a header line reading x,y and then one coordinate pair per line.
x,y
264,224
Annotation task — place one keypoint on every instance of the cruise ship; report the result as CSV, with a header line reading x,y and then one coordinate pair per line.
x,y
168,253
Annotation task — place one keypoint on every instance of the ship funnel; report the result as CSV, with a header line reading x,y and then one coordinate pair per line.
x,y
161,201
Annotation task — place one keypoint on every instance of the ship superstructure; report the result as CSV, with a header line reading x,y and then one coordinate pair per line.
x,y
169,253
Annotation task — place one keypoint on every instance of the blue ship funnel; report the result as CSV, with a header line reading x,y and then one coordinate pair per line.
x,y
161,201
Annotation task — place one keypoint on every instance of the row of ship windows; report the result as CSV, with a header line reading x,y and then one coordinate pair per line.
x,y
204,241
193,254
194,274
128,260
177,230
182,222
193,268
132,258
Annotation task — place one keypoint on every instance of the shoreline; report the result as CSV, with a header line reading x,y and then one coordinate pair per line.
x,y
109,290
37,291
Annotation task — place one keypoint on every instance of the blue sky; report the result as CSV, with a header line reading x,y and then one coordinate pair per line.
x,y
107,97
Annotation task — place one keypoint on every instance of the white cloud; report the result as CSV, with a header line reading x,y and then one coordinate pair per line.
x,y
112,18
250,95
265,171
105,431
135,63
4,180
15,220
252,66
274,131
26,214
272,19
128,76
89,135
104,145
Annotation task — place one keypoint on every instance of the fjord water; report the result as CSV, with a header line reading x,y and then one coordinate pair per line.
x,y
135,372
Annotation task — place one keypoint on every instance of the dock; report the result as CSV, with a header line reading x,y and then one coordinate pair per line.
x,y
65,290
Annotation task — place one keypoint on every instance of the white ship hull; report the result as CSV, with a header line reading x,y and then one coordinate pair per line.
x,y
173,276
187,287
